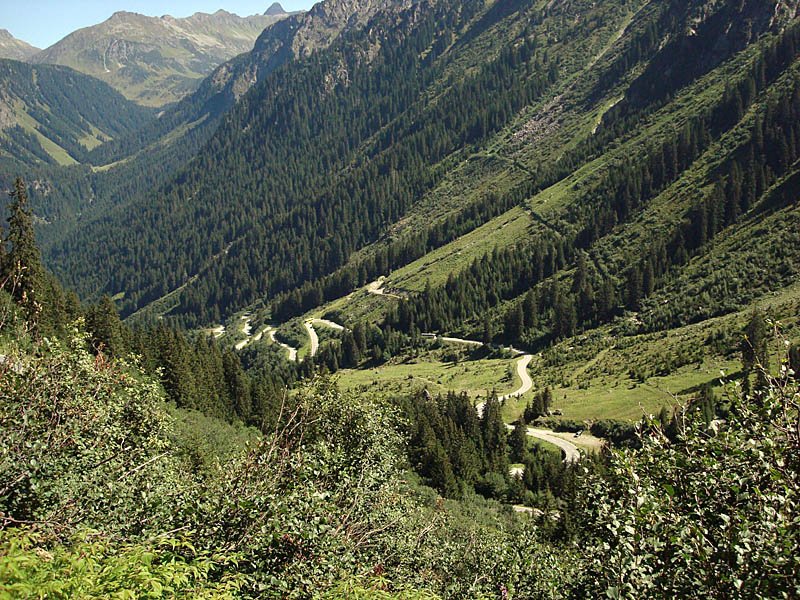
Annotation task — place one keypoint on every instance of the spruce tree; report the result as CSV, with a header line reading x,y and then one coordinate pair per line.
x,y
518,441
754,348
108,332
23,261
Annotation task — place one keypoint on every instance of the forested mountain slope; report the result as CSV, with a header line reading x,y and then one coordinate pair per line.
x,y
55,115
318,134
156,60
121,170
409,135
707,165
296,35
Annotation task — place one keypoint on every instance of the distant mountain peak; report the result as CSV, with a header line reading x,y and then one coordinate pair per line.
x,y
275,10
124,14
156,60
11,47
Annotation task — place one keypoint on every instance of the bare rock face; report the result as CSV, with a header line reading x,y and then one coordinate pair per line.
x,y
275,10
157,60
297,36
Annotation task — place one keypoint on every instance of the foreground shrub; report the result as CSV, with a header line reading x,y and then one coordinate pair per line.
x,y
90,566
714,513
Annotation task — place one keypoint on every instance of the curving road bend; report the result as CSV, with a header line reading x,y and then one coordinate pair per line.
x,y
329,324
376,288
270,332
527,382
571,452
312,334
247,330
568,449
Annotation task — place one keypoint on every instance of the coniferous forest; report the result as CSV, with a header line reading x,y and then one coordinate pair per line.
x,y
417,299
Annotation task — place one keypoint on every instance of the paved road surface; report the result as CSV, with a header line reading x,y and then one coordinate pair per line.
x,y
527,382
292,351
247,330
571,452
312,334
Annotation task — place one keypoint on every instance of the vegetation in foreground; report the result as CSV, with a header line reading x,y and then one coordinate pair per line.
x,y
105,492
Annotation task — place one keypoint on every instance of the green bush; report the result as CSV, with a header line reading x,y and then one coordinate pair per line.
x,y
90,566
713,513
85,441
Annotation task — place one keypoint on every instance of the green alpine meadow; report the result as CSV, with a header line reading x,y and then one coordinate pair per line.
x,y
403,299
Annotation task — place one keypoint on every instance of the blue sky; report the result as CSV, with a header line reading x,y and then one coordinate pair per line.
x,y
44,22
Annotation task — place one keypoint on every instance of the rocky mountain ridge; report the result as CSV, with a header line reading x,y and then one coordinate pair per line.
x,y
11,47
156,60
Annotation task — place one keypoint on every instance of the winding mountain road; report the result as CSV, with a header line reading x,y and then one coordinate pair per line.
x,y
522,367
247,330
570,450
270,332
527,382
292,351
376,288
312,334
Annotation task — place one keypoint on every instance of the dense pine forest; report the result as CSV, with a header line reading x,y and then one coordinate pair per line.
x,y
418,299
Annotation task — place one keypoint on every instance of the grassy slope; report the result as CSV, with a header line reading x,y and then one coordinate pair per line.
x,y
29,124
476,377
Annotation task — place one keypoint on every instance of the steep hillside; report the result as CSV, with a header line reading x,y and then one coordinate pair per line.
x,y
54,115
605,163
123,169
11,47
351,105
156,60
295,36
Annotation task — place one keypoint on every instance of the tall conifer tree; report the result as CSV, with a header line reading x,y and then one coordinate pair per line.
x,y
23,261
